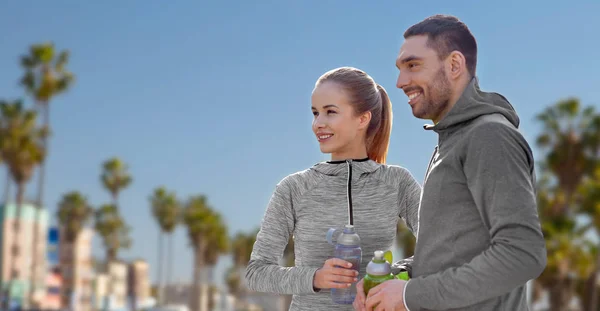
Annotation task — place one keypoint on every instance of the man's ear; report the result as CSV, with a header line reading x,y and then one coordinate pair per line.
x,y
456,65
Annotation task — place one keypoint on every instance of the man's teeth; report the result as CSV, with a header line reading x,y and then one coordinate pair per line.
x,y
413,95
325,136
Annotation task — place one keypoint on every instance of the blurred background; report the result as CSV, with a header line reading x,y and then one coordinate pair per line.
x,y
141,141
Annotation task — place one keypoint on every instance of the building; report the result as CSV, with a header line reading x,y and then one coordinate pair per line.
x,y
77,270
117,284
139,282
53,299
30,219
100,289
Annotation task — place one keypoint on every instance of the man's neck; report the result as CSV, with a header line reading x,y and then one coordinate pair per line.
x,y
456,94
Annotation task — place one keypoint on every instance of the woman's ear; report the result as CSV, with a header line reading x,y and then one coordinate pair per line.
x,y
364,120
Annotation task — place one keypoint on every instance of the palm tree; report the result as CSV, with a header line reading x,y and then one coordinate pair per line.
x,y
241,249
166,212
590,194
590,198
233,280
113,230
115,177
218,244
22,149
566,140
6,197
73,214
569,259
202,222
45,77
565,131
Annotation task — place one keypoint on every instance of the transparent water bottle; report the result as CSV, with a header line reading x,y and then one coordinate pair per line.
x,y
347,247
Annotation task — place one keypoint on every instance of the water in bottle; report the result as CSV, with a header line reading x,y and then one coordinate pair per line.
x,y
347,247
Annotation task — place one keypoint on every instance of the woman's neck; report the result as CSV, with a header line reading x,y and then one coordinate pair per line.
x,y
349,156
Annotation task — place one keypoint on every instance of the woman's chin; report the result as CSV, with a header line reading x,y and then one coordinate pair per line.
x,y
326,149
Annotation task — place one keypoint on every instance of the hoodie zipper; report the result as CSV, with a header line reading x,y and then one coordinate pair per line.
x,y
435,151
349,194
429,165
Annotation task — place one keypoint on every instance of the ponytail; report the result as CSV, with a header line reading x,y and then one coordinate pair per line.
x,y
378,147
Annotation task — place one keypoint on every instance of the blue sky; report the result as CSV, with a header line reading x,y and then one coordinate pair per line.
x,y
214,97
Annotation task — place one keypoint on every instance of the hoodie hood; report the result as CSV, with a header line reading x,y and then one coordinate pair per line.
x,y
340,168
472,104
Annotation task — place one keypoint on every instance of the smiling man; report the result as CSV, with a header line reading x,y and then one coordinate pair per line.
x,y
479,238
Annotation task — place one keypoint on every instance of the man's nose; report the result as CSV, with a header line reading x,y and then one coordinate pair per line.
x,y
402,81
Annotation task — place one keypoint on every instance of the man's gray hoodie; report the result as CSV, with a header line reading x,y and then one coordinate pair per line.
x,y
479,238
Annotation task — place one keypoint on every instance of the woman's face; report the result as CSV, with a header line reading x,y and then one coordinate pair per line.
x,y
339,130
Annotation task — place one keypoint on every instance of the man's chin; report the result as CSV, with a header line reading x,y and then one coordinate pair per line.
x,y
418,113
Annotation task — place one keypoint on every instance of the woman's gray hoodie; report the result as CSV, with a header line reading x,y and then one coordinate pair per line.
x,y
307,203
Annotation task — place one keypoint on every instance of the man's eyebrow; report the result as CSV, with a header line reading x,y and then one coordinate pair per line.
x,y
410,59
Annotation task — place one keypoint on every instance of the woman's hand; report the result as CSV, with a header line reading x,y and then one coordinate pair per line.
x,y
335,273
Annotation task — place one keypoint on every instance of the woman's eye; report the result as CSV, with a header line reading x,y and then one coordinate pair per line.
x,y
331,111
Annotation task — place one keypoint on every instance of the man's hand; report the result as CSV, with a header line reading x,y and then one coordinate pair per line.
x,y
359,301
387,296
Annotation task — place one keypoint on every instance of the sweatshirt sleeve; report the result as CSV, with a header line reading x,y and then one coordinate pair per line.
x,y
498,167
263,273
410,197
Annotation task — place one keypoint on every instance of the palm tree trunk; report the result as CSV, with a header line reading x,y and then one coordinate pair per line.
x,y
592,290
196,296
39,207
211,296
34,280
561,294
170,259
160,268
111,255
115,197
42,176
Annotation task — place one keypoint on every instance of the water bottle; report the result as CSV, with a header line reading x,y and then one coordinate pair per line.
x,y
378,271
347,247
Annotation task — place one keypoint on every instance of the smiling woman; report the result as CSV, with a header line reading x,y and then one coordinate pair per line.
x,y
353,115
355,189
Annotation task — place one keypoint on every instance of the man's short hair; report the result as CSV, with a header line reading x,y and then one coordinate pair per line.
x,y
446,34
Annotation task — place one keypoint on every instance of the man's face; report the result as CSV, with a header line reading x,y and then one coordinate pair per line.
x,y
423,79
